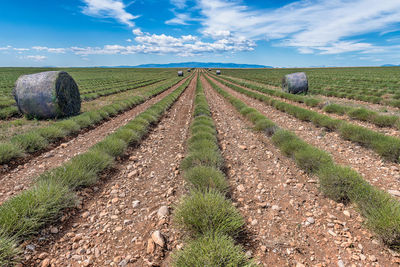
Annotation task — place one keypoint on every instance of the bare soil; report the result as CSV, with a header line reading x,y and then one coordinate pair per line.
x,y
23,176
290,222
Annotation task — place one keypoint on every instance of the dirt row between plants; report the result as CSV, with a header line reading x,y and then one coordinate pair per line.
x,y
23,176
384,130
118,216
378,172
290,222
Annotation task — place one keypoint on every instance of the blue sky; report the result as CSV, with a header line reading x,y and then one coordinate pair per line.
x,y
128,32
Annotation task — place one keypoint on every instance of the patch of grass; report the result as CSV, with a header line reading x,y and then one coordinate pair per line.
x,y
29,142
311,159
9,151
51,133
385,120
9,251
208,213
203,157
311,102
361,114
335,108
204,178
68,126
83,121
211,250
129,136
111,145
24,214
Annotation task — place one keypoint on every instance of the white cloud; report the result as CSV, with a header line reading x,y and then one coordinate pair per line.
x,y
180,19
21,49
129,40
109,9
36,57
8,47
179,3
137,32
323,26
50,50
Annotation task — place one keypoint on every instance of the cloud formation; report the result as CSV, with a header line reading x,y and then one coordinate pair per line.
x,y
114,9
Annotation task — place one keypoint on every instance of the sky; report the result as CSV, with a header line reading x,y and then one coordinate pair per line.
x,y
277,33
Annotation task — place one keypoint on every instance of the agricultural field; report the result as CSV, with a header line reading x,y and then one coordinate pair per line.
x,y
205,170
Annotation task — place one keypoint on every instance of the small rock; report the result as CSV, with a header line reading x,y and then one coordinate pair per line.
x,y
158,238
249,254
151,246
54,230
43,255
30,247
340,263
310,220
372,258
85,214
135,203
275,207
394,192
123,263
299,264
363,257
347,213
332,233
162,212
240,188
243,147
45,263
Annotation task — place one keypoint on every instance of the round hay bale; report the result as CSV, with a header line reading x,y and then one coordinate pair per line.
x,y
46,95
218,72
189,70
295,83
180,73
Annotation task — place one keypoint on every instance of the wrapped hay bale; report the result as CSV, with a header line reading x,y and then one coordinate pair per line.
x,y
218,72
189,70
180,73
295,83
45,95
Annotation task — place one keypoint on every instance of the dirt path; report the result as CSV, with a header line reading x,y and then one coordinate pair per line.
x,y
115,221
290,222
21,177
383,174
385,130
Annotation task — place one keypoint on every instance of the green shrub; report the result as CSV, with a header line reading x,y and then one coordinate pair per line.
x,y
83,121
203,144
51,133
311,102
357,133
361,114
24,214
9,151
111,145
68,126
201,213
202,136
386,146
384,120
203,157
310,159
129,136
203,129
211,250
335,108
29,142
9,251
205,178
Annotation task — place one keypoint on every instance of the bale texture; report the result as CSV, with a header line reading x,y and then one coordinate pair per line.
x,y
46,95
295,83
218,72
180,73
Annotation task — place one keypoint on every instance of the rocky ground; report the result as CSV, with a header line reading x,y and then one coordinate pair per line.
x,y
125,219
23,176
383,174
289,222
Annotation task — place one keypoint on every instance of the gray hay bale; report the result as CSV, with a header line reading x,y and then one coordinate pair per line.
x,y
180,73
209,69
189,70
218,72
46,95
295,83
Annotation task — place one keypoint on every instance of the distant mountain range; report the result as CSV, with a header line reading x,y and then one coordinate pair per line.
x,y
390,65
195,65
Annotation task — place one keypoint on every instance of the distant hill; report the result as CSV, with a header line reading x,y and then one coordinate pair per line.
x,y
390,65
196,65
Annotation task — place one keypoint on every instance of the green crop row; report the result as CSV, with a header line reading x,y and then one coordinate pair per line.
x,y
40,138
343,184
361,114
25,214
205,213
97,94
387,147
